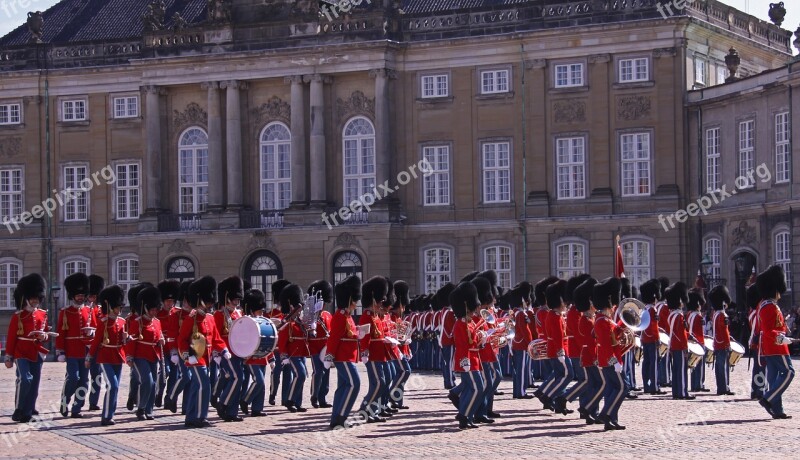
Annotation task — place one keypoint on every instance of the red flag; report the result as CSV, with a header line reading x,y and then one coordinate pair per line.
x,y
619,268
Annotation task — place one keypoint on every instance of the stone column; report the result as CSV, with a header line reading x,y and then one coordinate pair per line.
x,y
233,146
215,168
317,169
298,127
153,148
383,156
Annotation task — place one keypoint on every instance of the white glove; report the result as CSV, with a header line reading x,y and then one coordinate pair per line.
x,y
286,361
783,340
327,364
218,360
272,365
466,368
174,359
618,368
225,354
407,341
364,359
561,359
401,355
62,358
192,360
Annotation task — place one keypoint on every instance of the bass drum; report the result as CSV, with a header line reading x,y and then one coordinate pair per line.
x,y
253,337
737,351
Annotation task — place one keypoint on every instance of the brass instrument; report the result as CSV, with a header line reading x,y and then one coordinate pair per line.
x,y
400,330
502,334
636,318
198,344
537,349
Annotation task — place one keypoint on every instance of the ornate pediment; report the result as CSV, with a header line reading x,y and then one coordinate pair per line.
x,y
356,104
633,107
744,234
262,240
346,240
192,115
179,246
274,109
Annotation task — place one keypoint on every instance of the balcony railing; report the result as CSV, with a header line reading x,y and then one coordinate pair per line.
x,y
357,218
260,219
179,222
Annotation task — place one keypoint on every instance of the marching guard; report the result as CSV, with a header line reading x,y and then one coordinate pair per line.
x,y
342,350
609,356
293,347
320,376
74,329
96,284
695,326
276,314
231,292
677,296
145,349
108,348
720,298
252,403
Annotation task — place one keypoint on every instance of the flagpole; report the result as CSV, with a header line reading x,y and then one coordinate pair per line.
x,y
616,249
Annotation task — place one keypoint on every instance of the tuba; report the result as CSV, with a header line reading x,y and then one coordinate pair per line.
x,y
635,317
198,343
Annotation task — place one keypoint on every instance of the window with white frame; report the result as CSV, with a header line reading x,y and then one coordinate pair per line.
x,y
498,258
633,70
568,75
570,259
437,268
700,71
73,110
494,81
359,159
10,114
635,164
713,171
636,260
435,86
126,107
436,183
722,74
783,255
10,273
11,191
746,149
126,272
127,187
713,249
276,167
570,158
76,209
193,171
782,155
76,265
496,157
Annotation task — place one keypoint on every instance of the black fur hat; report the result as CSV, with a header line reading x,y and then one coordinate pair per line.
x,y
253,301
184,292
349,290
96,284
469,276
323,289
291,297
603,292
663,282
389,299
719,297
696,299
650,291
170,290
247,284
515,296
203,290
490,275
464,299
277,286
442,297
572,283
616,292
582,295
484,287
110,298
148,298
503,302
555,294
753,297
401,293
525,290
29,287
230,288
625,288
76,284
771,282
374,290
133,296
540,298
676,294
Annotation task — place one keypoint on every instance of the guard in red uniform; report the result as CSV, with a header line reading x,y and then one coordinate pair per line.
x,y
254,304
446,338
277,317
135,306
650,293
677,296
522,337
320,377
167,369
757,381
694,323
293,346
609,354
342,350
107,349
145,349
491,378
174,323
466,357
595,382
96,284
573,341
720,298
74,328
231,292
542,312
554,388
402,366
373,350
662,311
774,345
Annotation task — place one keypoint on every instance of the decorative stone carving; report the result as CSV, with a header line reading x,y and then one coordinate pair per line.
x,y
309,9
665,52
219,11
179,246
178,23
633,107
566,234
154,16
569,111
262,240
274,109
599,58
35,26
346,240
356,104
10,146
193,114
744,234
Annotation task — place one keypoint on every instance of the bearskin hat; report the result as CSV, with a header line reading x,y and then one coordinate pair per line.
x,y
464,299
389,299
170,290
502,302
29,287
625,288
603,293
484,287
469,276
540,298
323,289
582,295
247,284
650,291
663,283
555,294
291,297
719,297
133,297
696,299
96,284
401,293
676,294
76,284
184,292
148,298
349,290
490,275
771,282
442,297
230,288
277,286
203,290
253,301
110,298
572,283
525,290
374,290
753,297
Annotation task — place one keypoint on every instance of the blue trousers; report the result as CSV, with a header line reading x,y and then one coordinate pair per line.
x,y
294,377
257,390
376,373
402,372
491,379
183,378
29,374
780,374
537,371
173,376
472,396
94,374
650,367
614,393
595,389
198,394
547,369
436,361
698,375
758,380
218,378
76,384
320,379
520,384
275,378
447,367
147,373
581,381
165,371
390,373
347,387
232,392
561,376
628,369
722,371
111,375
679,388
133,387
663,370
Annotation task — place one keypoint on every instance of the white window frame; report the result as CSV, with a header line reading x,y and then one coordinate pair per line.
x,y
10,113
437,267
496,171
783,154
12,199
74,109
362,173
700,71
722,74
638,167
71,265
746,159
10,273
127,192
712,246
275,167
572,74
195,187
434,85
570,257
500,258
783,254
637,268
129,106
639,69
495,81
570,167
122,268
713,159
436,182
77,208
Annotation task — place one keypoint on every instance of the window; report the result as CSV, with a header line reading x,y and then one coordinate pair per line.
x,y
193,169
782,154
10,273
437,184
11,188
700,71
746,149
76,265
126,107
493,81
347,263
10,114
722,74
181,269
498,258
435,86
359,159
570,259
436,268
496,172
127,185
569,75
276,167
783,255
636,260
635,164
713,249
74,110
632,70
570,167
262,269
126,272
76,209
713,171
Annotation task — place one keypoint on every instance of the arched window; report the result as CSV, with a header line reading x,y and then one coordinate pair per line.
x,y
637,260
783,254
437,268
347,263
359,158
276,167
712,247
262,269
126,272
497,257
181,269
10,273
193,171
570,258
75,264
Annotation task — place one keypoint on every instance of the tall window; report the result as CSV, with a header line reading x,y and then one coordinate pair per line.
x,y
713,171
496,172
435,86
569,75
494,81
783,254
746,148
193,166
722,74
570,157
76,265
126,272
10,273
782,155
437,183
11,188
76,209
276,167
437,268
127,185
498,258
635,164
570,259
632,70
359,159
347,263
126,107
700,71
713,248
10,114
73,110
263,268
180,268
636,259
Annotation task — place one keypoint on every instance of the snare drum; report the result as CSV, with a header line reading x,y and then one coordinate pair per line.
x,y
737,351
708,341
696,353
663,344
253,336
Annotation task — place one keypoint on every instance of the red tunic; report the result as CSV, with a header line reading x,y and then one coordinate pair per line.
x,y
722,336
650,335
465,335
607,345
556,335
72,340
25,346
448,322
343,341
573,317
522,331
695,321
771,324
292,340
144,335
223,324
206,327
112,352
678,337
586,341
373,341
317,343
487,353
